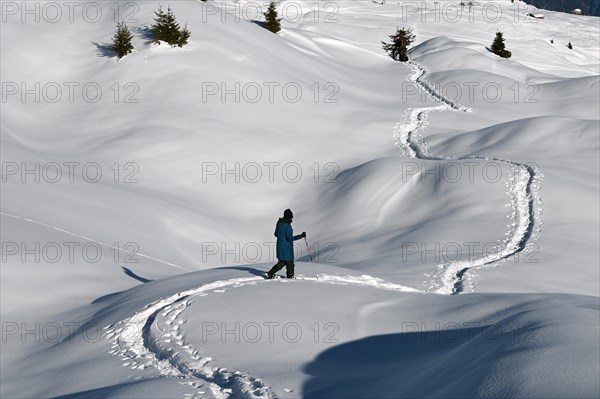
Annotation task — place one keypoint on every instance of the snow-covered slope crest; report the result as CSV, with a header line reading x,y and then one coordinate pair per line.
x,y
174,330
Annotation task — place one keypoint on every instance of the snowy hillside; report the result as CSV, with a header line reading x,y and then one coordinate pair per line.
x,y
451,202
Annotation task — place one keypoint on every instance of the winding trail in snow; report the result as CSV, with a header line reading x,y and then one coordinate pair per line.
x,y
523,186
142,342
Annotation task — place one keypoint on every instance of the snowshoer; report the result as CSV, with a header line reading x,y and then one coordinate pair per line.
x,y
285,248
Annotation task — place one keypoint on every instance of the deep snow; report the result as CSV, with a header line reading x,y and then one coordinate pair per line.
x,y
515,235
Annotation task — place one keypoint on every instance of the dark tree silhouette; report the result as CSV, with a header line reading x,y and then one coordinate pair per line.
x,y
121,44
498,46
166,29
397,48
184,35
272,23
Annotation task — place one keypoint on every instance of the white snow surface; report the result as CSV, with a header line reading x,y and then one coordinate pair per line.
x,y
451,204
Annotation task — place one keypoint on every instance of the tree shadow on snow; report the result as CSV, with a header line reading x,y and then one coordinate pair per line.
x,y
135,276
129,273
259,23
145,32
448,363
104,50
251,270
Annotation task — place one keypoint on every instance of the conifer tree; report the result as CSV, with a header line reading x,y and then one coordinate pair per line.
x,y
158,29
397,48
184,35
121,44
498,46
570,46
167,29
171,31
272,23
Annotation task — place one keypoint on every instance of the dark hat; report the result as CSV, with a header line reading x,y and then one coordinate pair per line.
x,y
288,214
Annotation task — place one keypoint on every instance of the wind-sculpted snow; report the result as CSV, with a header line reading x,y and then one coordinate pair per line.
x,y
523,186
530,331
142,343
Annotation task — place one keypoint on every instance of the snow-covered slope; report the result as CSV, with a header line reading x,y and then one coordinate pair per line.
x,y
371,340
459,172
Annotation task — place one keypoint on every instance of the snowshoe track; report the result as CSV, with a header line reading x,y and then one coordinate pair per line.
x,y
142,342
523,189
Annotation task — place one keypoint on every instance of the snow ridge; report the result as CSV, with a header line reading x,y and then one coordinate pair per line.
x,y
143,342
523,189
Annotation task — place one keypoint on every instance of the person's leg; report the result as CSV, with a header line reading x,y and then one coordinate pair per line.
x,y
277,267
289,268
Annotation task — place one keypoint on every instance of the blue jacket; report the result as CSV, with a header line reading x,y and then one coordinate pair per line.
x,y
285,237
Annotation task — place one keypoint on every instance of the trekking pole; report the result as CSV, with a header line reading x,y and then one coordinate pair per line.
x,y
311,258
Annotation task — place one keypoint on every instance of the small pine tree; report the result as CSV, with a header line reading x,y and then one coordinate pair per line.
x,y
272,23
184,35
166,29
570,46
400,41
552,41
121,44
498,46
158,29
171,31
